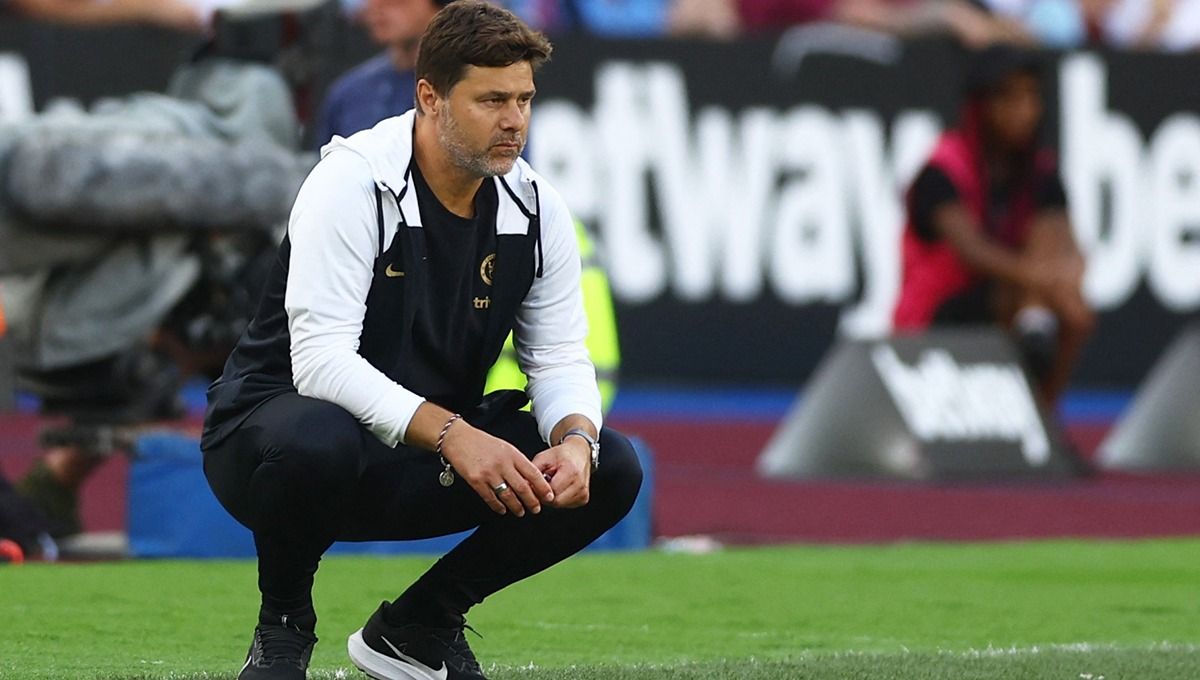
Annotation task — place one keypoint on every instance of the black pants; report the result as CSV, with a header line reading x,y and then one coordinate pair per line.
x,y
301,473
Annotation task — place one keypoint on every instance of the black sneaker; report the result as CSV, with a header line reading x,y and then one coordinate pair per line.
x,y
280,651
412,652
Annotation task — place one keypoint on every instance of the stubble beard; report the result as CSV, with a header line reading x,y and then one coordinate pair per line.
x,y
480,163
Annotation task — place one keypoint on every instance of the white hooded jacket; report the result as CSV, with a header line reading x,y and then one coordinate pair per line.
x,y
334,243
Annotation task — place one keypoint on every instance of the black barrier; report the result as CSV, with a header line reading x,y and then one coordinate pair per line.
x,y
944,406
1161,430
41,63
83,63
746,194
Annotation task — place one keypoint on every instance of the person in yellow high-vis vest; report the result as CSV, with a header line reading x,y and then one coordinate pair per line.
x,y
602,343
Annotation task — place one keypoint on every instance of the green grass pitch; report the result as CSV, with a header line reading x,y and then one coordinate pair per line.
x,y
1058,610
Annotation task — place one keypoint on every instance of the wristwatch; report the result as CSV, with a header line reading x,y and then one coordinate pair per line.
x,y
595,445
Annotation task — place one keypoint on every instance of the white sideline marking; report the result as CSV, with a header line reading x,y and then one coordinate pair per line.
x,y
987,652
1073,647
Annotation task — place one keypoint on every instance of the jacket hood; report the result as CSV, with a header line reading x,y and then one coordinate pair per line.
x,y
388,150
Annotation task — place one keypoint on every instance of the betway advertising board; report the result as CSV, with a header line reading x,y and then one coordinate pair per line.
x,y
944,406
747,195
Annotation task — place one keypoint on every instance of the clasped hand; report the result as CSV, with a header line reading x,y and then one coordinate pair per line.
x,y
558,477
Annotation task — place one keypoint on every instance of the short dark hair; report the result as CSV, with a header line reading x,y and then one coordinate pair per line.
x,y
475,33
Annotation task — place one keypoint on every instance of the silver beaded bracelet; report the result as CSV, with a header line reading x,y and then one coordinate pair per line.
x,y
446,478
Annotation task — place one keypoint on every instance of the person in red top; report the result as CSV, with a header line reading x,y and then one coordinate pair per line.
x,y
988,238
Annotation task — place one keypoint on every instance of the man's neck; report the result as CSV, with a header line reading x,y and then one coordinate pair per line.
x,y
452,185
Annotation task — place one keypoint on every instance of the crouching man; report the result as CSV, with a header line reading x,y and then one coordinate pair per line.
x,y
353,409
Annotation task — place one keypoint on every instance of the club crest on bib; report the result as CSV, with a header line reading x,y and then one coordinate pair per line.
x,y
487,268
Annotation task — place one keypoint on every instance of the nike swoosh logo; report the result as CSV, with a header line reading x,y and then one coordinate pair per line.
x,y
440,674
392,273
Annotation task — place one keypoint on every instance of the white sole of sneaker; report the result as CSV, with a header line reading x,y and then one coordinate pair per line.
x,y
382,667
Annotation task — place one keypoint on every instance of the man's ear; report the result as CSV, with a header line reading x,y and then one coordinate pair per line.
x,y
427,97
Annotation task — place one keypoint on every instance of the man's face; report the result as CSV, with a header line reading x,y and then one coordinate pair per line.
x,y
483,122
398,21
1014,111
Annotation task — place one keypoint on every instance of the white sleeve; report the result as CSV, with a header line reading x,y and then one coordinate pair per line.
x,y
334,236
551,329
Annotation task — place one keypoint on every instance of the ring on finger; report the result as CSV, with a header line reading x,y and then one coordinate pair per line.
x,y
500,488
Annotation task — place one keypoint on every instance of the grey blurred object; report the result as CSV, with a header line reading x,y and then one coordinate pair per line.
x,y
943,406
120,180
216,152
1160,431
99,208
91,310
135,237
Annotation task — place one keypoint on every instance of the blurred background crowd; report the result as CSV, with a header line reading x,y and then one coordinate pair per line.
x,y
1172,25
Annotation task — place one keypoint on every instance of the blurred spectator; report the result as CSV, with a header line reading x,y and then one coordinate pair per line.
x,y
382,86
608,18
1055,23
969,24
725,19
707,18
988,238
1172,25
767,15
177,14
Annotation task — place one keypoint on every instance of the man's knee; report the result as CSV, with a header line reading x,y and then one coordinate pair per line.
x,y
619,472
315,443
